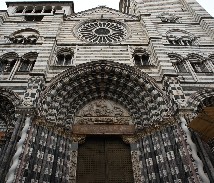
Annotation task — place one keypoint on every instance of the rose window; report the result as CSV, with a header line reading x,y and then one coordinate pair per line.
x,y
102,31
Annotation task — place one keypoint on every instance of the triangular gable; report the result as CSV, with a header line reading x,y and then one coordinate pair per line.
x,y
104,11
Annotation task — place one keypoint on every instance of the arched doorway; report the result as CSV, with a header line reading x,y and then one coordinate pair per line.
x,y
104,159
115,99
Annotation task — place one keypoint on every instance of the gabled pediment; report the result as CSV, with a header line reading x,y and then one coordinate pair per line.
x,y
102,12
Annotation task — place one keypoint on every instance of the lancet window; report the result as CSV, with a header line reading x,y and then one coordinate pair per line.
x,y
8,61
193,64
179,63
27,62
181,67
11,63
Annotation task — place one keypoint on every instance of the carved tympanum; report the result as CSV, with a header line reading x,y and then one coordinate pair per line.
x,y
103,112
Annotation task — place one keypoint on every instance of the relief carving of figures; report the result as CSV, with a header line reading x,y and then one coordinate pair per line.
x,y
102,112
73,166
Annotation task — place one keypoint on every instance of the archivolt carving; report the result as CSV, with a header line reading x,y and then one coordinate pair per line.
x,y
125,85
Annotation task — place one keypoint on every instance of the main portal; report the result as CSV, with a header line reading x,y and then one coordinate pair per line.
x,y
104,159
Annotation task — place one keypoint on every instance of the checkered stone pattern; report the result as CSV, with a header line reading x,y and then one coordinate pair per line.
x,y
45,158
34,87
189,156
174,90
126,85
163,157
136,165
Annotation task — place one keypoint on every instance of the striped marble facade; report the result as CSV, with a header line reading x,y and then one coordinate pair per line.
x,y
41,92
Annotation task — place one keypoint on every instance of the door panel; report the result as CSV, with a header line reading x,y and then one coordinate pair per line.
x,y
104,159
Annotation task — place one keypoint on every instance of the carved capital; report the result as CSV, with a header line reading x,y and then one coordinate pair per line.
x,y
80,139
186,113
129,139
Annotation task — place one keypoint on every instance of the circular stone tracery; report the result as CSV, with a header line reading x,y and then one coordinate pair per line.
x,y
102,31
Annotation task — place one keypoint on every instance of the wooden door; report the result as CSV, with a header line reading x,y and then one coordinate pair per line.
x,y
104,159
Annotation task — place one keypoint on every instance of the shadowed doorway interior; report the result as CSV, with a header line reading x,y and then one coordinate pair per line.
x,y
104,159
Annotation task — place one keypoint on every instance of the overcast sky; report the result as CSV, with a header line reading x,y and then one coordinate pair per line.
x,y
80,5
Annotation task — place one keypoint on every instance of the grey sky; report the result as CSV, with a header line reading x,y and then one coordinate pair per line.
x,y
80,5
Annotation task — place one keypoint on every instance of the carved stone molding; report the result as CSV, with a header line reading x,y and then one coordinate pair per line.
x,y
136,167
80,139
120,83
73,166
129,139
34,88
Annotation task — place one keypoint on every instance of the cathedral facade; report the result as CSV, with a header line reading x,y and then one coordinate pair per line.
x,y
107,96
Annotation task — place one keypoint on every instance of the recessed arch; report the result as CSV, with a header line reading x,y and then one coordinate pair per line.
x,y
126,85
200,99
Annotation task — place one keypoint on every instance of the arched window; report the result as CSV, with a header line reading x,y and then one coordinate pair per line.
x,y
64,56
27,62
180,67
8,61
198,63
141,57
